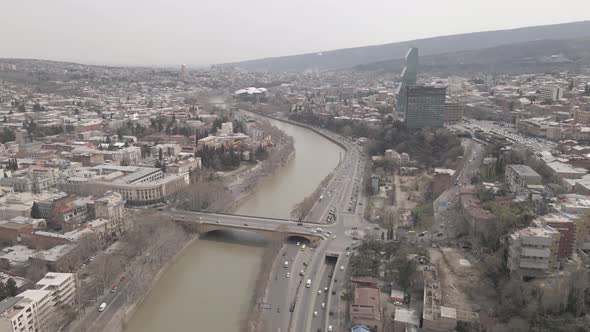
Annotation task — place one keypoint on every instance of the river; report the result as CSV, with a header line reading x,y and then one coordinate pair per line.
x,y
209,287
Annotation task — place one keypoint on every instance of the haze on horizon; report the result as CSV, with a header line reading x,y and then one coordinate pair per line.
x,y
158,32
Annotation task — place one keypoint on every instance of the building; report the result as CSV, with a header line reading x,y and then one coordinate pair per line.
x,y
44,303
551,93
518,177
62,286
582,117
435,316
405,320
110,206
137,185
425,106
183,72
365,308
533,252
567,229
408,78
18,314
453,113
227,128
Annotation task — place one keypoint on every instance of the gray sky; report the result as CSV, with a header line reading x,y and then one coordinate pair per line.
x,y
170,32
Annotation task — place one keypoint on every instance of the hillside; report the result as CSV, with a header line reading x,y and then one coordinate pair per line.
x,y
346,58
539,54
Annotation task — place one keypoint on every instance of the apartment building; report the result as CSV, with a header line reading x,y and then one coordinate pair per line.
x,y
62,286
518,177
533,252
18,314
567,229
44,304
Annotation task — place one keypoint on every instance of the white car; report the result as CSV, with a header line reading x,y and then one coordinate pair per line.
x,y
315,314
348,253
319,292
341,267
298,244
288,275
323,305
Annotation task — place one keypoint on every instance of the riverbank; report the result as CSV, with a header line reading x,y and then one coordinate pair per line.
x,y
133,308
281,154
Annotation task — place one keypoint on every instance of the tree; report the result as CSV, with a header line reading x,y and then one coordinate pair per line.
x,y
405,271
3,292
35,212
11,289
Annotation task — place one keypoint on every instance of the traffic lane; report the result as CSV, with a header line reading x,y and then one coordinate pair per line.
x,y
320,306
114,300
302,307
279,283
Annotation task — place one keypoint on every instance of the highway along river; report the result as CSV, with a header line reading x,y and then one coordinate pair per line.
x,y
210,286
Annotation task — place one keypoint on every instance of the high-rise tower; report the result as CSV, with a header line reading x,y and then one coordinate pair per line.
x,y
408,78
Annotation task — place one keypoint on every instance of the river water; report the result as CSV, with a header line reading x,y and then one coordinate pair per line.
x,y
209,287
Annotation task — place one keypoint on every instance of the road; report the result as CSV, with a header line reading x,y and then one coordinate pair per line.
x,y
444,216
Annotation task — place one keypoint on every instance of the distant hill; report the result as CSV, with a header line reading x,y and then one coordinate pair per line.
x,y
536,55
350,57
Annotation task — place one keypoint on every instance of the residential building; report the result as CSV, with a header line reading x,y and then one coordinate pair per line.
x,y
567,229
518,177
551,93
533,252
18,314
44,303
425,106
582,117
227,128
63,286
111,206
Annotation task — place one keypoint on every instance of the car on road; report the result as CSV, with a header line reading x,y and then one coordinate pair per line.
x,y
286,264
114,288
347,253
330,328
308,283
298,243
315,314
333,236
218,221
319,292
323,305
303,247
341,267
325,289
288,275
102,307
302,273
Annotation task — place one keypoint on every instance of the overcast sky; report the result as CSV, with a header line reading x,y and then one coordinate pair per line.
x,y
170,32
